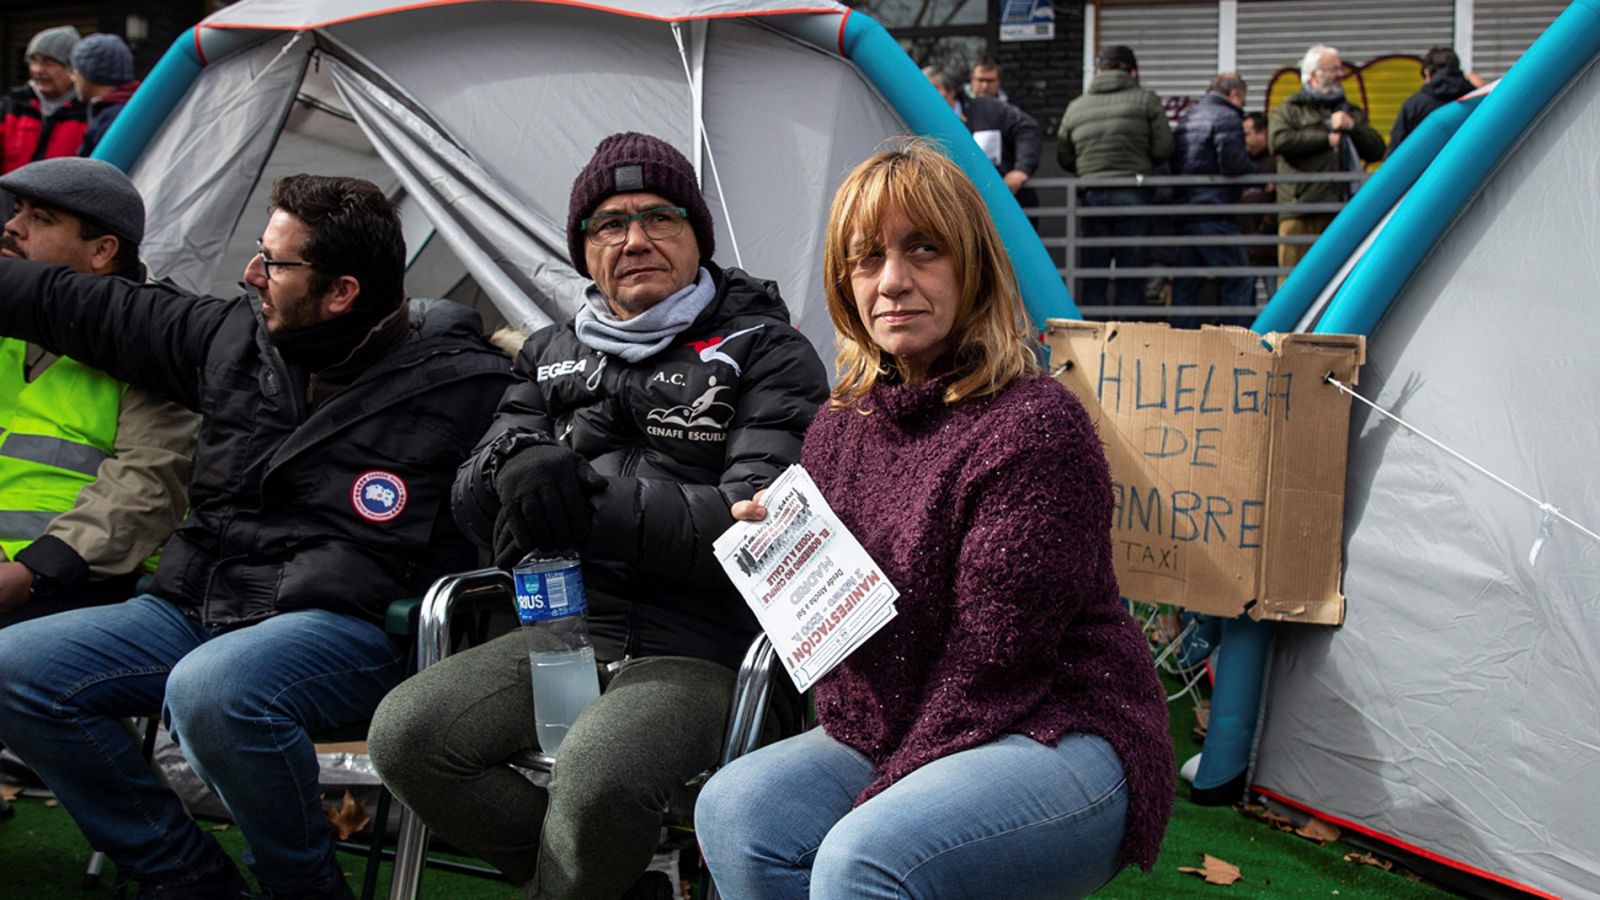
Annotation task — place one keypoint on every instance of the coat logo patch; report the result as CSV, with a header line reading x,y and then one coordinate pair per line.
x,y
710,350
705,418
378,496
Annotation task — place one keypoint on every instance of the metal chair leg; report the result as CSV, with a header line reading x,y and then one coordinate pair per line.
x,y
433,644
91,873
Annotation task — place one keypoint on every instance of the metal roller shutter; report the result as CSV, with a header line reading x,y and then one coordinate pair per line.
x,y
1274,34
1502,29
1176,43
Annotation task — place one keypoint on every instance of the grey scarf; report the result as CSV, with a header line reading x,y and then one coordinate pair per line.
x,y
648,333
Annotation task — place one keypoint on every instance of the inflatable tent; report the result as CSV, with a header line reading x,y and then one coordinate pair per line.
x,y
477,116
1456,713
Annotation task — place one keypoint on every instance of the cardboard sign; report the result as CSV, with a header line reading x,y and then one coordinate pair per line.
x,y
1227,454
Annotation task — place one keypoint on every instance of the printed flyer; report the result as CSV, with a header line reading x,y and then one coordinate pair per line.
x,y
814,589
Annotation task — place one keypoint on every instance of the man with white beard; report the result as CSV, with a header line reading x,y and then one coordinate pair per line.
x,y
1317,130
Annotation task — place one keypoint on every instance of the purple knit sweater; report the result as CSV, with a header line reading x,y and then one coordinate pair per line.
x,y
993,518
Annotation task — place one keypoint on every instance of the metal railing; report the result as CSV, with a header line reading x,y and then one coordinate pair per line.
x,y
1060,209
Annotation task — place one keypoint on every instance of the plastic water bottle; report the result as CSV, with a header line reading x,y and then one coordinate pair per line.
x,y
550,600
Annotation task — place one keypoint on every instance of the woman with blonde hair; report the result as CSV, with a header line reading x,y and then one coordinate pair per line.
x,y
1005,735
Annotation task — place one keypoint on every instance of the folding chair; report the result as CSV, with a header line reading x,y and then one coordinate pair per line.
x,y
747,712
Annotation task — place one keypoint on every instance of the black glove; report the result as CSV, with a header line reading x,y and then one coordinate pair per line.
x,y
544,502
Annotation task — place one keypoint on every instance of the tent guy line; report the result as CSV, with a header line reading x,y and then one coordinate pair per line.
x,y
1550,510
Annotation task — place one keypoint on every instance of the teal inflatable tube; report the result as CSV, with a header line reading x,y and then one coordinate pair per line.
x,y
155,99
866,43
1568,46
1363,213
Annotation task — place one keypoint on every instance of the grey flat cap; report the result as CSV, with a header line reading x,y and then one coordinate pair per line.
x,y
88,188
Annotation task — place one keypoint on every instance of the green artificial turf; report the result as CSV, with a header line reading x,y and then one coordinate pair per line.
x,y
42,856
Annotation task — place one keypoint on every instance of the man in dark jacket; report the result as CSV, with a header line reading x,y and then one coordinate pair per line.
x,y
1210,141
1115,129
1006,134
1317,130
102,74
679,388
1443,83
334,414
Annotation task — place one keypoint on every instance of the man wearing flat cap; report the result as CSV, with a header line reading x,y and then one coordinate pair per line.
x,y
679,388
1116,129
92,472
44,118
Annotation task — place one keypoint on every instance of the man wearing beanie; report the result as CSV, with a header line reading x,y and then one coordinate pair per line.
x,y
102,74
44,118
334,415
92,472
679,388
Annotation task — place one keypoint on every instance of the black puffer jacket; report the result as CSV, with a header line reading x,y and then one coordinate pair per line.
x,y
679,436
1210,141
345,507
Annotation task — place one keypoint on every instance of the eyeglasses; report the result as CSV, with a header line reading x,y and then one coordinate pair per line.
x,y
268,262
611,229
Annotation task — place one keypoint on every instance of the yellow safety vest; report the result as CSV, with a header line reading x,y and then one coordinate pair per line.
x,y
54,432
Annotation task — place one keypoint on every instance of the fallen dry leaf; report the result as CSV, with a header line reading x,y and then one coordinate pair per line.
x,y
9,792
220,827
1367,859
1317,830
1263,814
349,818
1214,871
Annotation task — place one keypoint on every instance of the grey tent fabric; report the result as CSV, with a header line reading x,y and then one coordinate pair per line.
x,y
477,116
510,251
308,13
200,169
1458,708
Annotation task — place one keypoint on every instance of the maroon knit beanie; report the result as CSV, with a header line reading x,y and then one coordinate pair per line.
x,y
627,162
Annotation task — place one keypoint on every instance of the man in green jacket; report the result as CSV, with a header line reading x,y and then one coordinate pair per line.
x,y
1117,128
1317,130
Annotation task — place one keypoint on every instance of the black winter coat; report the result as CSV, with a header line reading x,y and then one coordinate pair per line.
x,y
679,436
344,508
1019,132
1446,85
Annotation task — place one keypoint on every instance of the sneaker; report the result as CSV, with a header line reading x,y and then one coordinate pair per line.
x,y
215,877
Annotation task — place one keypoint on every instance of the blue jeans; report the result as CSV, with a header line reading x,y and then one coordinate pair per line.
x,y
1011,818
240,703
1231,291
1092,291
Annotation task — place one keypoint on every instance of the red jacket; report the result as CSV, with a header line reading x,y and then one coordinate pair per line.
x,y
25,135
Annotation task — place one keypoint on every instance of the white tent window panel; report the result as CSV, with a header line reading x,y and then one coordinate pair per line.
x,y
1275,33
1176,43
1503,29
